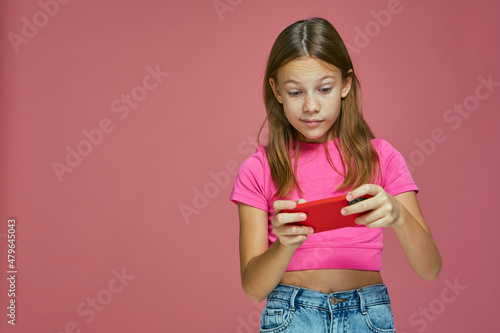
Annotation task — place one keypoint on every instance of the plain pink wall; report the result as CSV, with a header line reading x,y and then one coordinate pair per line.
x,y
111,232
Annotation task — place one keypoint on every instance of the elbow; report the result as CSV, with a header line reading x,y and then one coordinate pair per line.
x,y
432,274
435,274
254,295
430,277
256,298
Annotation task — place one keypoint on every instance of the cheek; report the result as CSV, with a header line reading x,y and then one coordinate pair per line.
x,y
291,108
291,117
333,107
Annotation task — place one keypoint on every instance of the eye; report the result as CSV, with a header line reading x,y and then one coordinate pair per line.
x,y
325,90
294,93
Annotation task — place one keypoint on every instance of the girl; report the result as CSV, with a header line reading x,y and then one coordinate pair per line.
x,y
320,146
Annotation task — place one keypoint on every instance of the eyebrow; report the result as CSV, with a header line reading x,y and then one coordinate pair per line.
x,y
319,80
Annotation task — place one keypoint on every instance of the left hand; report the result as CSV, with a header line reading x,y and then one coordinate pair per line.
x,y
383,210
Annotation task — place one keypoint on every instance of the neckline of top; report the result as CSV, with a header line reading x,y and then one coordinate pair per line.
x,y
315,145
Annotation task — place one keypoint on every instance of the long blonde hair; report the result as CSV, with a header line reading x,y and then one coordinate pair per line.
x,y
317,38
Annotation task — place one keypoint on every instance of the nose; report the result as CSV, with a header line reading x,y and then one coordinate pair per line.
x,y
311,103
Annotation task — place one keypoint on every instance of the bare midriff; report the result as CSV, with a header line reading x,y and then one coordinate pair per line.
x,y
331,280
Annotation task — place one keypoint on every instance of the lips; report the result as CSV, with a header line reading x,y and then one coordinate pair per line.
x,y
312,122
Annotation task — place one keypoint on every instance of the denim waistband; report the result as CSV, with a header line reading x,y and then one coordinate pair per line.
x,y
361,297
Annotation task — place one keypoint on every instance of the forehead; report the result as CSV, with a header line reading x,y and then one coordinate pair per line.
x,y
307,68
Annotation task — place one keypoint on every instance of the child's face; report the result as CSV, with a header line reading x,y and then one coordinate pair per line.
x,y
310,91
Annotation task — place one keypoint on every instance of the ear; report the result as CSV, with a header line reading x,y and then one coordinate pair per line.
x,y
347,85
274,86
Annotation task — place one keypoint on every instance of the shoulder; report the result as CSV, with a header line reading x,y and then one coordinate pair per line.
x,y
383,146
251,184
255,168
386,152
396,177
256,161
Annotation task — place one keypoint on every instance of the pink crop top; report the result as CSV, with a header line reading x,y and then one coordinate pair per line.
x,y
356,247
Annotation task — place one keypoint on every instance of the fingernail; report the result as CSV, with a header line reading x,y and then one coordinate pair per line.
x,y
303,216
349,197
311,231
343,211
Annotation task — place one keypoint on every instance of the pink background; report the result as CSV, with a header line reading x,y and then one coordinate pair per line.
x,y
118,212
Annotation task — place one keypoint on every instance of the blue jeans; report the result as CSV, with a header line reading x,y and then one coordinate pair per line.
x,y
294,309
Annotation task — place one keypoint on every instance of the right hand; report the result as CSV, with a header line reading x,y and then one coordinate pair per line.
x,y
291,236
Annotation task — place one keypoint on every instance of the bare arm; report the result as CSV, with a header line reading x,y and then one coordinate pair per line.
x,y
402,213
261,267
416,239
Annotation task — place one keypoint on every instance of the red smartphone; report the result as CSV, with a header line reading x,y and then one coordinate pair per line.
x,y
324,214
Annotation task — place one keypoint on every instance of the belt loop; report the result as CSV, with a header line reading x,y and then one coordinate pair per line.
x,y
361,301
292,298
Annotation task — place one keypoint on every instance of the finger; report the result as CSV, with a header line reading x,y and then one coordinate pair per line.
x,y
293,240
365,189
383,212
298,239
280,205
299,201
360,207
284,218
384,221
295,230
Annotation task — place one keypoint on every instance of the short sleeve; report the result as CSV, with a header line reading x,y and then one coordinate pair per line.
x,y
396,177
249,186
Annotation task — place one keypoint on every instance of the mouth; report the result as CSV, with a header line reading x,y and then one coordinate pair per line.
x,y
312,122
